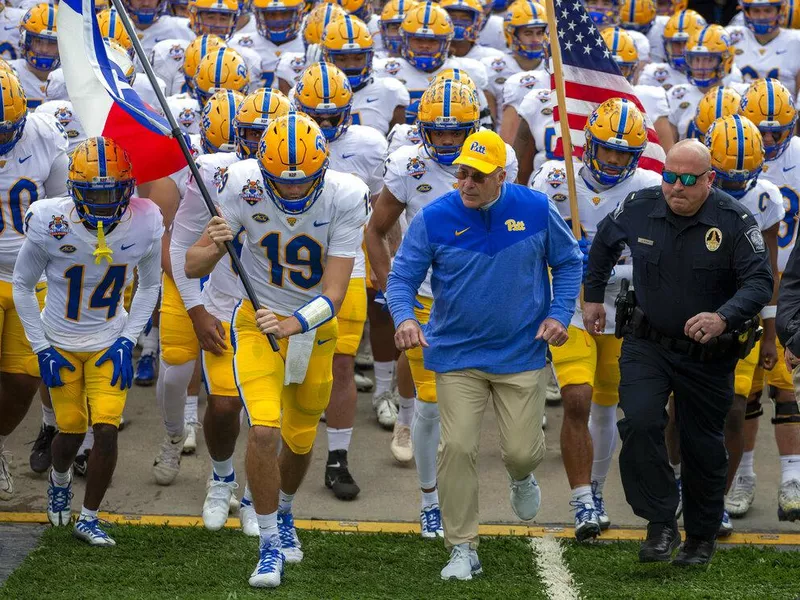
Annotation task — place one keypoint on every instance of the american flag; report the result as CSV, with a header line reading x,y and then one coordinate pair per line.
x,y
591,76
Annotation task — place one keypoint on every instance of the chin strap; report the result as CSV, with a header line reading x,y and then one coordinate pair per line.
x,y
102,251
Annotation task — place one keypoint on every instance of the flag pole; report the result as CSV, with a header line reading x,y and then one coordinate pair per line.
x,y
566,139
187,154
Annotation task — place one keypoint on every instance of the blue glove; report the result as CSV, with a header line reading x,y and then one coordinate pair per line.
x,y
584,245
121,356
380,298
50,364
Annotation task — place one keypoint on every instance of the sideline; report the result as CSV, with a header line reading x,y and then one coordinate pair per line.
x,y
548,559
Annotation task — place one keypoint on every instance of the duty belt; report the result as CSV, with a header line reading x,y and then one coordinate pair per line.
x,y
722,347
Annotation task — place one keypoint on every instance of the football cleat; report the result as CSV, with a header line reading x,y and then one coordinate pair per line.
x,y
528,15
41,456
195,52
463,564
59,503
391,17
526,498
789,501
401,446
737,154
190,444
338,478
617,124
167,464
290,543
80,466
15,111
145,374
677,31
600,508
713,42
587,524
217,128
363,383
741,495
38,38
6,481
90,532
217,505
718,102
769,104
364,358
253,116
430,522
217,17
427,21
385,409
623,50
758,24
637,15
325,95
221,69
725,526
447,106
278,20
347,41
247,518
269,570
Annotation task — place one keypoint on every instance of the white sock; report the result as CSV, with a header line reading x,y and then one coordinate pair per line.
x,y
247,497
171,394
285,502
583,494
430,499
790,467
406,412
676,469
48,416
88,515
603,429
268,529
425,441
339,439
88,441
746,464
384,373
149,342
190,410
60,479
223,469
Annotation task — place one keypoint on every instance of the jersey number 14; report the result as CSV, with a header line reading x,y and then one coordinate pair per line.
x,y
106,294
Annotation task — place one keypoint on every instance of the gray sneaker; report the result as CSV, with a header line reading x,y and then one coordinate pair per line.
x,y
526,498
463,564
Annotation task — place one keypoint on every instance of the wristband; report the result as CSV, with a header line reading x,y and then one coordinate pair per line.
x,y
314,313
768,312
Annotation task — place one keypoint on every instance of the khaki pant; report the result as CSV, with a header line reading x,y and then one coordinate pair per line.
x,y
519,406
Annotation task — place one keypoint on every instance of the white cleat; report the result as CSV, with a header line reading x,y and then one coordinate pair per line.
x,y
725,526
430,522
269,570
247,519
741,495
364,358
89,531
385,409
290,543
587,524
190,445
363,383
401,446
59,503
600,508
463,564
168,462
217,505
789,501
6,481
526,498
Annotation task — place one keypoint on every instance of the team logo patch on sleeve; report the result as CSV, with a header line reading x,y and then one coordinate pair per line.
x,y
660,74
714,239
187,117
498,64
556,177
65,117
416,167
58,227
392,67
220,174
298,64
252,192
176,52
528,81
756,239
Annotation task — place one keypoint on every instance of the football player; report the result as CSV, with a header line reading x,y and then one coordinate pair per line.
x,y
325,95
719,101
677,31
391,19
587,366
737,157
303,226
33,163
467,17
10,18
639,16
64,113
769,105
221,69
88,244
491,34
153,24
39,52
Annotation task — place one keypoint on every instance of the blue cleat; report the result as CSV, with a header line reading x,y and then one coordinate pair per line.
x,y
269,570
89,531
145,370
290,543
430,522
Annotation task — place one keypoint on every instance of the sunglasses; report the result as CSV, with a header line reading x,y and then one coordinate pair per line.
x,y
686,178
476,176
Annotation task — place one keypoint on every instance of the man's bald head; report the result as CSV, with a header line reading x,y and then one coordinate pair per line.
x,y
689,152
688,157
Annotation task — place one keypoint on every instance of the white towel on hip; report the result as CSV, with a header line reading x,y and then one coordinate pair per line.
x,y
297,357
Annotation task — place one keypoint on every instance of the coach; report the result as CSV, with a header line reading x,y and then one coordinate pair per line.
x,y
489,245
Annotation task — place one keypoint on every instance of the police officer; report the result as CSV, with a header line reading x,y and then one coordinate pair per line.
x,y
701,274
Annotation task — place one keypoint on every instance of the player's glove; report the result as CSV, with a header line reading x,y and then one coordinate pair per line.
x,y
380,298
584,245
51,361
121,356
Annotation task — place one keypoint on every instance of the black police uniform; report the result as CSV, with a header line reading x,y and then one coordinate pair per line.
x,y
714,261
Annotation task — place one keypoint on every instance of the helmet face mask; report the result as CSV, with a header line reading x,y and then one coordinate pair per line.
x,y
769,105
525,29
391,18
448,113
616,137
145,12
677,31
324,94
467,18
178,8
623,50
15,111
253,117
38,38
348,44
426,32
603,12
737,154
215,17
708,56
762,17
279,23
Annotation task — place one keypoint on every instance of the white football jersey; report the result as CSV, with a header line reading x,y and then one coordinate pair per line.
x,y
764,200
656,38
285,254
653,99
480,53
537,110
84,310
661,74
499,69
785,174
517,86
9,38
35,88
290,67
249,27
683,100
268,53
34,169
181,177
220,293
737,19
492,34
65,114
642,45
166,59
374,104
593,206
186,111
166,27
402,134
776,59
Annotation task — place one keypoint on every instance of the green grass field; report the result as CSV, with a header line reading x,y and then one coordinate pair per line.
x,y
165,562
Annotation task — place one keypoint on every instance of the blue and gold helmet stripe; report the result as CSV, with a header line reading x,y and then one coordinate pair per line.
x,y
446,102
266,101
426,19
680,20
718,106
218,68
231,113
789,14
292,128
4,92
204,45
101,157
51,17
770,100
326,91
615,41
348,21
112,24
623,118
701,39
739,143
632,12
532,6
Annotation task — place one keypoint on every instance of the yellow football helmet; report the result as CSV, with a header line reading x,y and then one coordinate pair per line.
x,y
677,31
15,111
117,54
737,153
667,8
762,25
101,5
111,27
623,50
324,93
217,17
348,44
638,15
38,38
197,49
278,20
318,19
428,22
6,67
100,181
221,69
217,122
293,152
718,102
254,114
790,14
711,42
358,8
524,14
392,16
617,124
447,106
769,104
467,18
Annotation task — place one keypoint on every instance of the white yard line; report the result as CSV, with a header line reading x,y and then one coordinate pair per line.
x,y
554,572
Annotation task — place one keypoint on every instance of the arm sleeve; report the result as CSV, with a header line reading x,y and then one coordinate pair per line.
x,y
607,247
31,262
787,320
566,266
393,179
146,297
348,234
187,228
409,269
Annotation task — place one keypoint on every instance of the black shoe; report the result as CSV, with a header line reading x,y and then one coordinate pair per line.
x,y
695,551
81,464
41,458
338,478
662,539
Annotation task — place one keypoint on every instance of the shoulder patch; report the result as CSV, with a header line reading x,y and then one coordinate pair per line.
x,y
756,239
